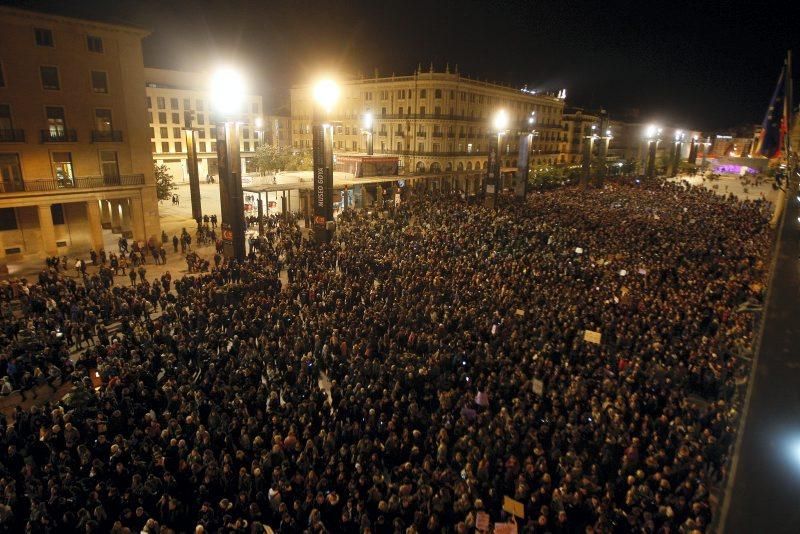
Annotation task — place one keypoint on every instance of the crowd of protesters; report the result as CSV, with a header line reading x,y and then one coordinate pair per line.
x,y
451,341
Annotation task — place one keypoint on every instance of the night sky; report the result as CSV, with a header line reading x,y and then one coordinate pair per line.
x,y
707,65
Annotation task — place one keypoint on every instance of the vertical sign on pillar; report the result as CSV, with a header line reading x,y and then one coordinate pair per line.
x,y
651,158
323,179
523,164
194,174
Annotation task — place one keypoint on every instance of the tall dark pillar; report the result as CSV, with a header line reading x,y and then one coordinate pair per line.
x,y
493,173
605,140
323,180
260,216
194,174
230,191
676,159
523,165
651,158
587,160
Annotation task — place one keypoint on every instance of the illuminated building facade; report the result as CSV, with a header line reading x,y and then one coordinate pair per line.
x,y
74,156
433,121
170,95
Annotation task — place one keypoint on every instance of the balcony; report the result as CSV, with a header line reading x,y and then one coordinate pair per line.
x,y
59,136
106,136
450,135
437,134
82,182
422,134
12,136
399,133
383,133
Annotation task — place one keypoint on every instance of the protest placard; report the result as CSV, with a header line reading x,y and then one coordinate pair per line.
x,y
592,337
513,507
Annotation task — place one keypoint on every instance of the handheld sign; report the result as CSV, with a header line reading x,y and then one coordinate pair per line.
x,y
513,507
538,386
592,337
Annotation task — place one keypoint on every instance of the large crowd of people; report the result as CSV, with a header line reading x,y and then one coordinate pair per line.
x,y
579,352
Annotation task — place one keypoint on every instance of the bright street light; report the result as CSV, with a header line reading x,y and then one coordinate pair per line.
x,y
500,121
227,91
326,93
259,122
368,121
678,135
652,131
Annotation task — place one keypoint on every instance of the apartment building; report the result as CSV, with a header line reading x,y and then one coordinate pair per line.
x,y
434,121
74,156
171,95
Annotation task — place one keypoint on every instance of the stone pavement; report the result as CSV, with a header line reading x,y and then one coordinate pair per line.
x,y
728,183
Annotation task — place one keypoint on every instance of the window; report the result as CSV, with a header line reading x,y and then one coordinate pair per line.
x,y
102,120
178,146
246,132
201,134
5,120
437,93
420,147
213,132
383,112
94,44
199,105
10,171
150,118
50,78
8,217
43,37
203,147
57,213
56,122
399,147
255,108
355,146
99,82
400,111
186,104
176,133
153,147
164,146
368,96
149,102
162,117
62,168
161,103
423,93
201,119
246,147
213,146
152,132
163,132
422,110
176,118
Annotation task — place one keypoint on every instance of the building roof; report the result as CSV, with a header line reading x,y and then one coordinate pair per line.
x,y
91,19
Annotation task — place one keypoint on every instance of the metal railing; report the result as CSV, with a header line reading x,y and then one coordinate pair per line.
x,y
12,136
106,136
83,182
59,136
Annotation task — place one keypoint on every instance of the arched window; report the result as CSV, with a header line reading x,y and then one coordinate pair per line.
x,y
420,167
449,166
485,164
460,166
436,167
469,165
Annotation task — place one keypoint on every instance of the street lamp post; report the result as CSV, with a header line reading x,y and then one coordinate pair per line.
x,y
588,146
675,159
692,151
369,130
524,158
326,92
260,142
189,138
706,145
653,135
605,141
227,97
500,124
